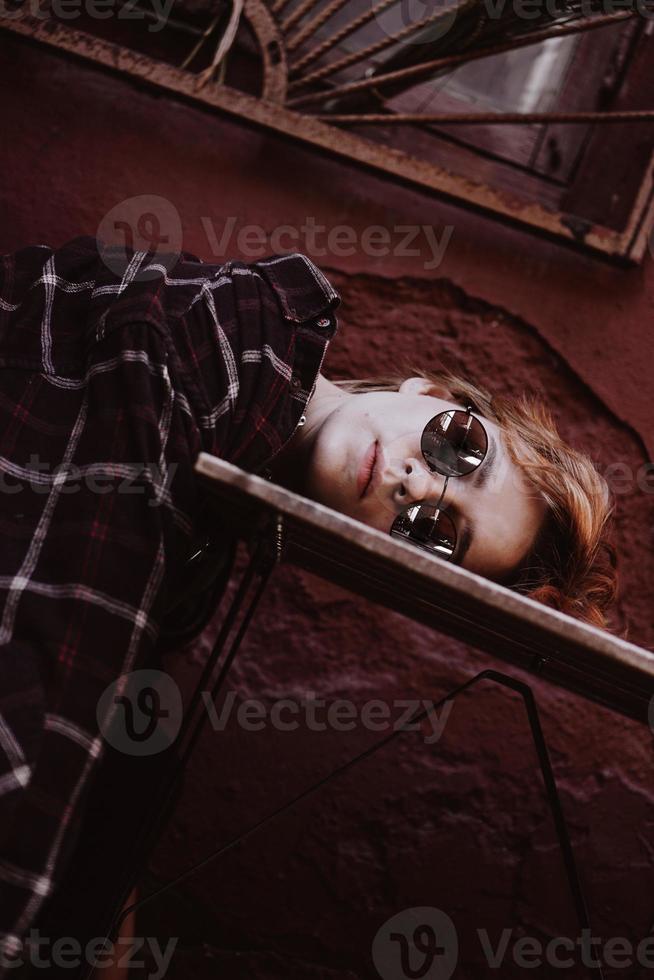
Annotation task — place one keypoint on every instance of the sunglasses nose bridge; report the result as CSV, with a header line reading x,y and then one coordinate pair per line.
x,y
421,482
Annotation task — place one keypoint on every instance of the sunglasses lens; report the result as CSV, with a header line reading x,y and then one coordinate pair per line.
x,y
454,443
428,528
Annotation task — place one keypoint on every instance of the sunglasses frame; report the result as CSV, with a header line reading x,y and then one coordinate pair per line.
x,y
438,509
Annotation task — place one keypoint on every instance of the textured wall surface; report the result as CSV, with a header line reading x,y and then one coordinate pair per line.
x,y
461,824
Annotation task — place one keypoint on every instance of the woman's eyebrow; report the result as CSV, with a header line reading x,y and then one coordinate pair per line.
x,y
485,469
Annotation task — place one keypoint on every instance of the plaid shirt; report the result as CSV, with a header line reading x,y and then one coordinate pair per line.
x,y
117,369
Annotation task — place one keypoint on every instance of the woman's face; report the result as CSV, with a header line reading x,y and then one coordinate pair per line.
x,y
496,512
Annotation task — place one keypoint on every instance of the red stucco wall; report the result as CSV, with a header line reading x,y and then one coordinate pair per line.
x,y
461,825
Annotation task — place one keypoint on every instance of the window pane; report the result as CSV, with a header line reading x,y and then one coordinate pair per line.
x,y
525,80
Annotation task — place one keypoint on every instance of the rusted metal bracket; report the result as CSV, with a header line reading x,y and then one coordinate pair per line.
x,y
270,112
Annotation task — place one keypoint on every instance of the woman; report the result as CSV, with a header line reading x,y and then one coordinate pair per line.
x,y
538,519
116,369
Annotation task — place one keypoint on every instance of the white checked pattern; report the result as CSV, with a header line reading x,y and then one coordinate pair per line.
x,y
164,358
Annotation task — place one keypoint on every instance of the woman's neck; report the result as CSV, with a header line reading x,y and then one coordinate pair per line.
x,y
290,465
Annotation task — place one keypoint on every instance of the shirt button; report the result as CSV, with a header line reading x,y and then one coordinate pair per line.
x,y
324,321
295,381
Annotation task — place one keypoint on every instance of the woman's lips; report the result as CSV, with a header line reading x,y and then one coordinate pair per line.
x,y
364,479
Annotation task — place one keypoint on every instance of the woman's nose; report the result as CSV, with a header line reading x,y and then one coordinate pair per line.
x,y
418,482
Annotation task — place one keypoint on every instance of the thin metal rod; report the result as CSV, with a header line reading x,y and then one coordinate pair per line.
x,y
178,25
551,790
490,118
449,61
278,6
300,11
281,809
226,666
342,33
367,52
194,708
547,773
426,68
195,715
315,24
205,34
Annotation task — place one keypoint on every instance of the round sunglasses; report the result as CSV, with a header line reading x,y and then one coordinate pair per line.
x,y
453,443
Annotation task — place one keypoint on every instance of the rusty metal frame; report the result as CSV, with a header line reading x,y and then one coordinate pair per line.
x,y
270,113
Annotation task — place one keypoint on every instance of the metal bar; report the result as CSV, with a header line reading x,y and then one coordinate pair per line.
x,y
450,61
566,652
416,72
205,34
194,714
227,38
556,809
271,48
342,33
178,25
313,25
186,732
489,118
278,6
197,720
300,11
551,790
370,49
218,852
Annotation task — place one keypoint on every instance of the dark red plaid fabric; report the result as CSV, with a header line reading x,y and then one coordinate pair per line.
x,y
116,370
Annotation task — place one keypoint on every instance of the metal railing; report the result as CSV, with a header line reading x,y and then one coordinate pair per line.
x,y
280,526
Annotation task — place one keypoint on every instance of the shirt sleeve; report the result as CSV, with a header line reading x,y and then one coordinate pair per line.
x,y
97,509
